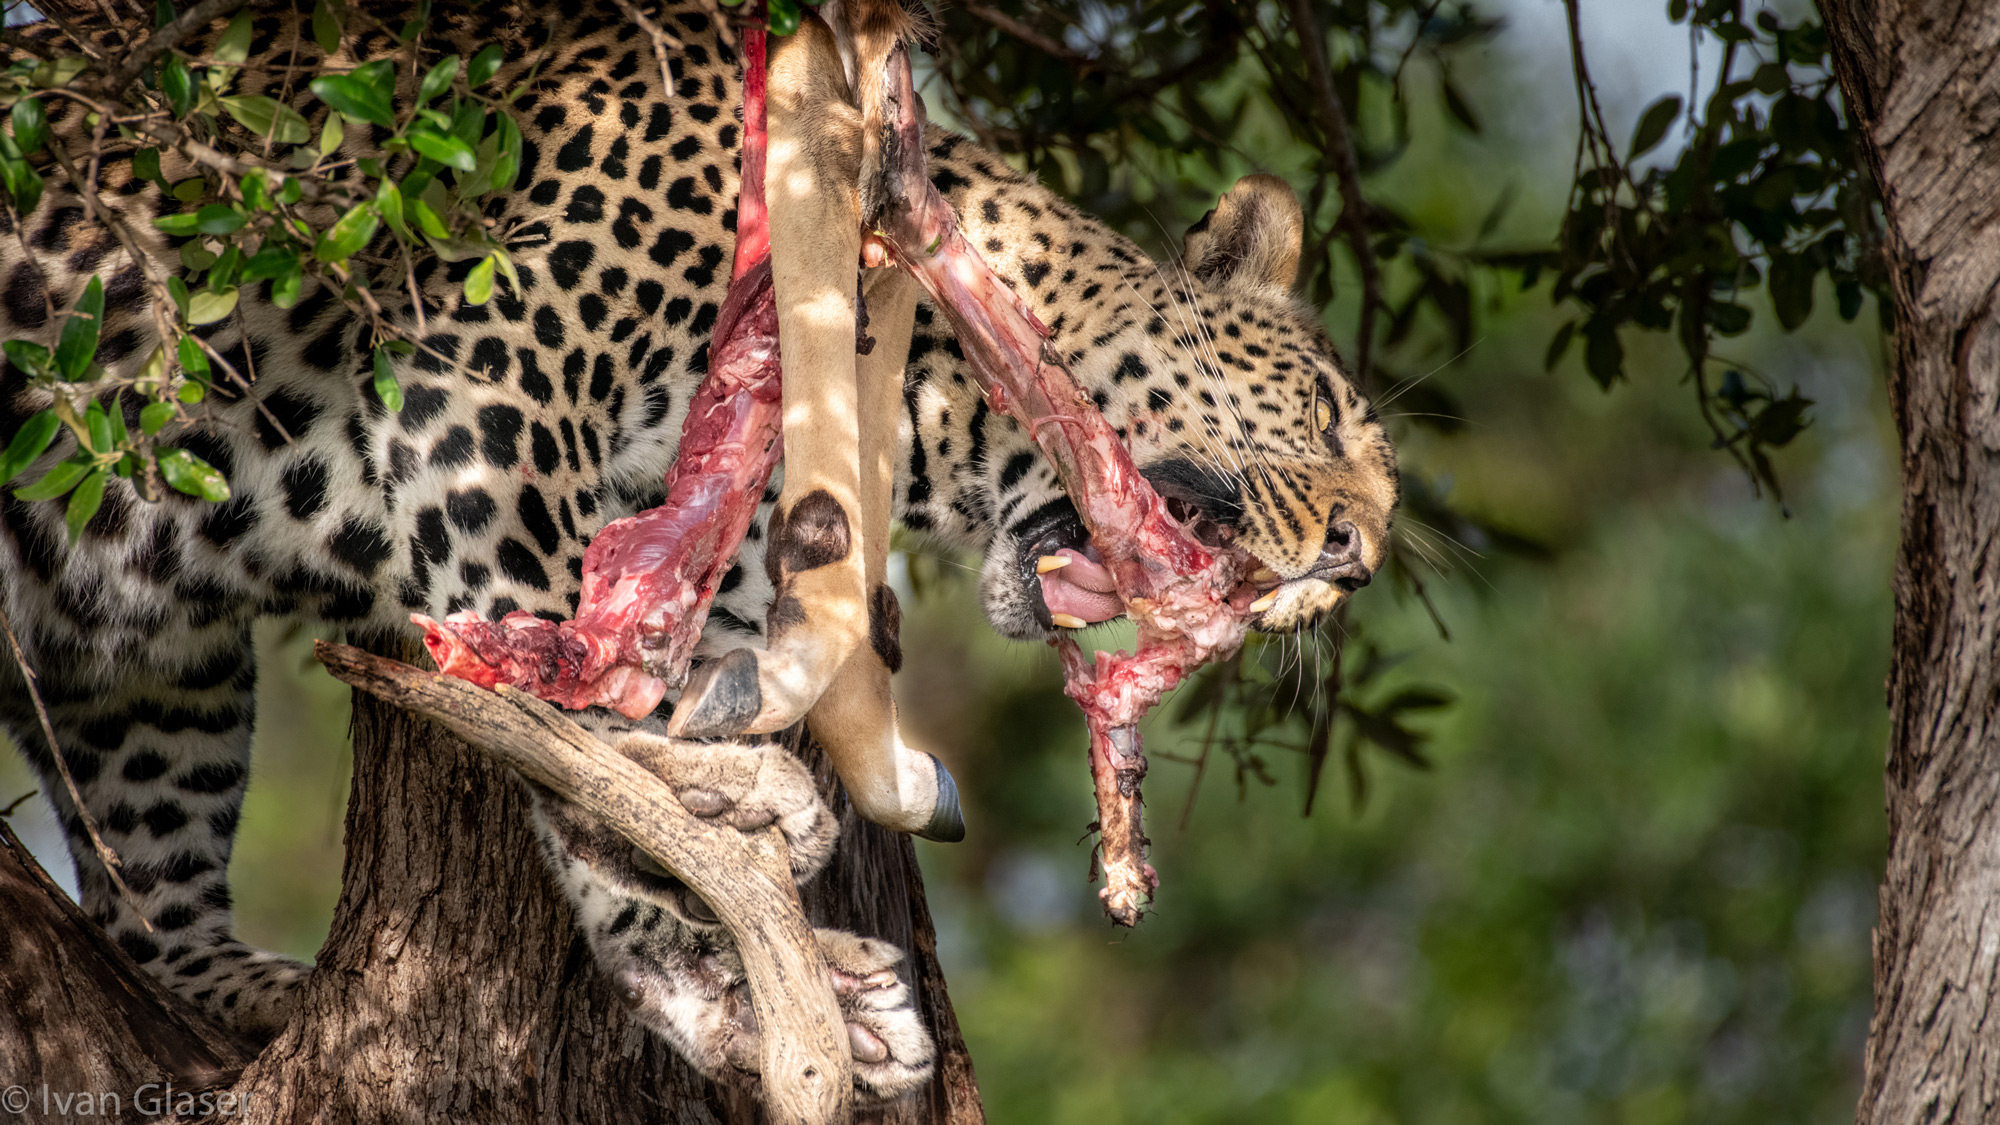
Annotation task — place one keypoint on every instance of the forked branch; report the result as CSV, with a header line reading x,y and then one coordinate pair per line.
x,y
745,877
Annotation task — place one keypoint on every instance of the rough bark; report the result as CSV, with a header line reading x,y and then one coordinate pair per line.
x,y
1919,78
62,982
744,877
453,984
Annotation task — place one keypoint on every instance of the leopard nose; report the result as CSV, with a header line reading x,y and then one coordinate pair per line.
x,y
1340,560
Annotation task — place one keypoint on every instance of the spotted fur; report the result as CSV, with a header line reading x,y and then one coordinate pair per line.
x,y
533,420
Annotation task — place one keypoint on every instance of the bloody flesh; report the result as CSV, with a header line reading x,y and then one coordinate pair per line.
x,y
1189,599
648,579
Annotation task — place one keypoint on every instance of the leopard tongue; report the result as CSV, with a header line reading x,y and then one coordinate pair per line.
x,y
1085,589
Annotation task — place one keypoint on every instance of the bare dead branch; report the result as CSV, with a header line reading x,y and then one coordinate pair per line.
x,y
1024,33
1346,170
745,878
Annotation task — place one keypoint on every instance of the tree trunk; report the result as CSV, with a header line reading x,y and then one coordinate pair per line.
x,y
1918,76
453,985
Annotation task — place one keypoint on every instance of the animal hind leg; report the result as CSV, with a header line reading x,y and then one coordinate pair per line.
x,y
855,720
161,756
818,617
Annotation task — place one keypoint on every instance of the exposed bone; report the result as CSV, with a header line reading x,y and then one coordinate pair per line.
x,y
1188,599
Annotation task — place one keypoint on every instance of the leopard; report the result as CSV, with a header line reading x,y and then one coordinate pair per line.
x,y
530,421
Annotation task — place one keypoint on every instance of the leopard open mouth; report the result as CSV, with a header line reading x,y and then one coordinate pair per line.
x,y
1068,585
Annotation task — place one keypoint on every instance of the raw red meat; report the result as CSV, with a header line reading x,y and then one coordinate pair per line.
x,y
649,579
1190,600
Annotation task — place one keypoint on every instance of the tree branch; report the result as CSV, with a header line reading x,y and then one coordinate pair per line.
x,y
165,39
1347,171
745,878
1025,34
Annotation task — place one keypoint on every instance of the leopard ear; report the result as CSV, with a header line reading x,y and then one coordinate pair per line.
x,y
1251,238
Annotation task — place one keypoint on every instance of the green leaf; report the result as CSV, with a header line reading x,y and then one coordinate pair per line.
x,y
30,442
177,82
193,360
98,423
1559,345
205,306
327,26
190,474
178,290
23,183
479,283
1652,127
190,393
56,73
270,262
84,502
180,226
356,99
484,66
31,124
154,418
438,79
234,46
783,17
218,218
269,117
223,273
427,220
79,333
389,202
351,233
1603,354
190,189
380,75
330,135
146,164
29,357
285,290
507,271
1791,284
386,387
446,150
1728,318
55,482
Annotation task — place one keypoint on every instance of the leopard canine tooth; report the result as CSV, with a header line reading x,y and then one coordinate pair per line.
x,y
1047,563
1264,603
1263,574
1065,621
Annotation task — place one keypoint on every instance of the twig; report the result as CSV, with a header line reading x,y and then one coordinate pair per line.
x,y
662,43
745,877
1026,34
201,15
105,856
1347,170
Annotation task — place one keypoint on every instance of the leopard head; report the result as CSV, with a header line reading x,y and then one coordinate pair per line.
x,y
1238,411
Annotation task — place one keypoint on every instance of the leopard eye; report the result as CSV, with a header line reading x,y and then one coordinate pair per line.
x,y
1323,413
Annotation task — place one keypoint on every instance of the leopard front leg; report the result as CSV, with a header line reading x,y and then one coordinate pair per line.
x,y
668,955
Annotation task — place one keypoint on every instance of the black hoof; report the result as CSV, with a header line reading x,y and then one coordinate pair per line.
x,y
947,824
721,699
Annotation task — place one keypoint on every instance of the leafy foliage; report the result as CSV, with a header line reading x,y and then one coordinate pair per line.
x,y
278,207
1768,193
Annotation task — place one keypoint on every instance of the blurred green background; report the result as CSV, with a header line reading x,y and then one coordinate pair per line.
x,y
1635,883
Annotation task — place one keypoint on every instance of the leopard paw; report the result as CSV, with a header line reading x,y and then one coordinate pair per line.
x,y
893,1054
